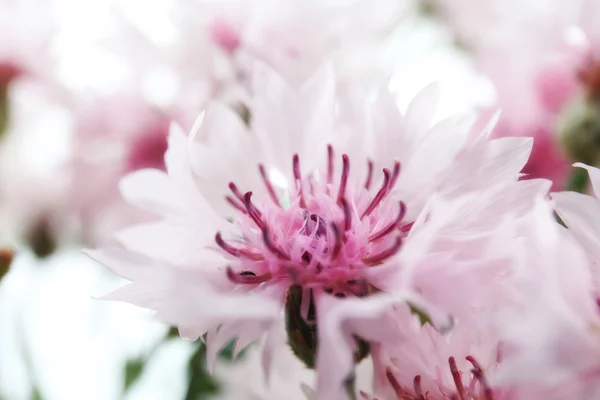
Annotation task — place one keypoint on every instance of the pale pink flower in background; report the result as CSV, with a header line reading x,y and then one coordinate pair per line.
x,y
551,340
33,183
296,37
210,56
293,210
113,136
27,29
548,46
210,46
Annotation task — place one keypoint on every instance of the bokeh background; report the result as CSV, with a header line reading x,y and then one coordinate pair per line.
x,y
89,88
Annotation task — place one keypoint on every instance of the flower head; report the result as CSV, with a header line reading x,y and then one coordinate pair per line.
x,y
294,209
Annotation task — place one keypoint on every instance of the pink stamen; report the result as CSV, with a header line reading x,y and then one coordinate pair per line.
x,y
393,225
235,251
480,376
272,247
254,213
236,192
247,277
406,228
236,204
395,175
268,184
298,179
337,247
347,214
460,389
394,383
380,194
344,178
329,254
369,175
384,255
418,390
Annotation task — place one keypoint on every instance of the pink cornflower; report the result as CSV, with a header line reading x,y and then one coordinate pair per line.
x,y
301,209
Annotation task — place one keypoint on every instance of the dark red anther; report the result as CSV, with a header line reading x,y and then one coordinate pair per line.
x,y
460,389
225,246
269,186
478,373
369,174
236,192
347,214
247,279
393,225
384,255
298,179
418,390
253,212
273,247
235,251
380,194
337,247
395,175
344,177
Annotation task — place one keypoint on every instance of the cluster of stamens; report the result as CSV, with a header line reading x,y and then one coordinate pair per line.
x,y
325,239
478,389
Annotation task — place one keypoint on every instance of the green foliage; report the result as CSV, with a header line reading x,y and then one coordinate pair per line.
x,y
578,180
36,395
201,384
133,371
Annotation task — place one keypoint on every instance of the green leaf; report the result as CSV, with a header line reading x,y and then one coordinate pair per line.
x,y
36,395
133,370
201,384
578,180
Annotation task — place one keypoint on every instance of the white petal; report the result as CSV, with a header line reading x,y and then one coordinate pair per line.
x,y
151,190
594,176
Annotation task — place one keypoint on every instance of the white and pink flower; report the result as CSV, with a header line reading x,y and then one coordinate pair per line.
x,y
300,209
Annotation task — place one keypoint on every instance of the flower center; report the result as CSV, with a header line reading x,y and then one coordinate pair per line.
x,y
326,239
478,389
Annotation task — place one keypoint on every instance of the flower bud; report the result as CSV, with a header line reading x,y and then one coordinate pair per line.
x,y
302,332
580,132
